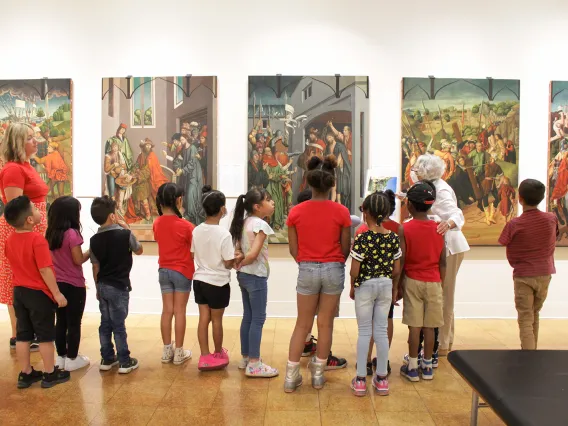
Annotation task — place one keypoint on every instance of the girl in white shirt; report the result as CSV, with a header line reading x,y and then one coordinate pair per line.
x,y
250,235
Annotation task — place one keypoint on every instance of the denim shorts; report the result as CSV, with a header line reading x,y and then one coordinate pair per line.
x,y
172,281
316,278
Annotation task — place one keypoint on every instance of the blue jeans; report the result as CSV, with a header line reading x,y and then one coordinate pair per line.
x,y
372,304
255,294
172,281
113,304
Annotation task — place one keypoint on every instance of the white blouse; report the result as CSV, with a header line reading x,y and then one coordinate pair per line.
x,y
446,207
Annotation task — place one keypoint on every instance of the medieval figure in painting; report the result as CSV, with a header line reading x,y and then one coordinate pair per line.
x,y
258,178
55,167
172,150
510,152
559,181
507,196
461,184
314,147
275,176
202,149
490,186
342,191
446,155
149,177
346,137
115,168
123,145
188,169
500,147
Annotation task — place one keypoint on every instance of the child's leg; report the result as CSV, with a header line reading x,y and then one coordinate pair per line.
x,y
428,342
539,298
326,316
61,330
524,302
364,305
203,329
307,305
247,317
258,300
23,354
217,324
105,329
413,342
46,351
118,309
380,324
25,332
390,329
12,315
167,289
180,308
76,298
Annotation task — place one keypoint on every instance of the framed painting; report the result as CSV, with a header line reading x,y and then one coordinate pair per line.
x,y
473,125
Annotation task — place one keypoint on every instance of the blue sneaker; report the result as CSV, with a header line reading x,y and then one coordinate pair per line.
x,y
427,372
411,375
435,360
406,359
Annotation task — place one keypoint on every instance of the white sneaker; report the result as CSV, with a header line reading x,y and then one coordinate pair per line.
x,y
243,363
181,356
168,353
77,363
260,369
60,362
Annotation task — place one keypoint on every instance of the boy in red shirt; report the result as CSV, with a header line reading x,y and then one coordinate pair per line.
x,y
36,294
424,271
530,240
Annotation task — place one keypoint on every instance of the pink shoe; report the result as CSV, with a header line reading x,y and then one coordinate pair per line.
x,y
222,357
381,386
359,386
210,362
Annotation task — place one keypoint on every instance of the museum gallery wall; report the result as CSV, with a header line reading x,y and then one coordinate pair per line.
x,y
291,119
45,105
473,125
157,130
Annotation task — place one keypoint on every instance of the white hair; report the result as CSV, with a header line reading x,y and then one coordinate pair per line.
x,y
430,167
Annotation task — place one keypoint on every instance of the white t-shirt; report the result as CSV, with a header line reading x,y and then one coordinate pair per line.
x,y
211,246
252,226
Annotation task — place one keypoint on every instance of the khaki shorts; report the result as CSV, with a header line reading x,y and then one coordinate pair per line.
x,y
423,304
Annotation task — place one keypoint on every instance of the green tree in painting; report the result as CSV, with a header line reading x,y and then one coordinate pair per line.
x,y
148,119
54,133
475,109
40,113
137,117
447,118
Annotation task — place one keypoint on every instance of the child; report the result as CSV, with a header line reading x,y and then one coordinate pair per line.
x,y
250,235
319,234
35,293
424,271
173,235
64,237
111,255
375,268
214,255
395,227
530,240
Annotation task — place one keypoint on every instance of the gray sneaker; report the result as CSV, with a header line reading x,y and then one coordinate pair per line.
x,y
317,369
293,378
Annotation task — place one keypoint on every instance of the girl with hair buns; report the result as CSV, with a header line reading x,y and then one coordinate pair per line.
x,y
18,177
174,236
319,235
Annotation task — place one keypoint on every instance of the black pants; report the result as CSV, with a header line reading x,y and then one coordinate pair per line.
x,y
436,344
68,326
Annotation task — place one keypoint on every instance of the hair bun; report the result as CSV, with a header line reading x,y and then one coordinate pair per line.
x,y
314,162
330,162
206,189
390,195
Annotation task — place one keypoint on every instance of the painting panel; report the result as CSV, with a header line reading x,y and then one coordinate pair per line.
x,y
291,119
157,130
473,125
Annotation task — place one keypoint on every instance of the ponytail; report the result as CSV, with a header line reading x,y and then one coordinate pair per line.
x,y
167,196
238,222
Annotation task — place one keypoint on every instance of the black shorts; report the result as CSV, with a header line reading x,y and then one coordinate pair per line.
x,y
391,312
35,315
212,295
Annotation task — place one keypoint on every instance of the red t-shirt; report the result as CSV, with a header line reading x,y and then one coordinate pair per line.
x,y
28,252
531,241
423,250
24,176
318,225
173,236
391,225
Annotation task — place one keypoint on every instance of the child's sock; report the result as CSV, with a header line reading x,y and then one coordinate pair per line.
x,y
293,363
308,338
321,361
413,363
426,363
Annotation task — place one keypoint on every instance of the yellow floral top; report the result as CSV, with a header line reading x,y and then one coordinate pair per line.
x,y
377,253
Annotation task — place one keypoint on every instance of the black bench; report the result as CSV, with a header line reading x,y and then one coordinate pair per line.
x,y
528,388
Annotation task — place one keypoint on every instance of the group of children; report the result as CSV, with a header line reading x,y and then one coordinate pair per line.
x,y
389,262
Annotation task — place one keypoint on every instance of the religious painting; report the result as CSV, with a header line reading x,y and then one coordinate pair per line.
x,y
157,130
293,118
45,105
473,125
558,155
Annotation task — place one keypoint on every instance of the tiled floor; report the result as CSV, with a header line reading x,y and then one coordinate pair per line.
x,y
158,394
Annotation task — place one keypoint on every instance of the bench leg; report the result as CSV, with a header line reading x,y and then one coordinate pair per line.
x,y
474,408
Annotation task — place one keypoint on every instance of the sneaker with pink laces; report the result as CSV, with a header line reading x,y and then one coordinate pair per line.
x,y
210,362
223,355
359,386
381,385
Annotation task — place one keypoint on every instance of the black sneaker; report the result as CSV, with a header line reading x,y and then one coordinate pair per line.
x,y
374,362
310,348
56,377
12,343
26,380
335,363
369,369
34,346
107,365
130,366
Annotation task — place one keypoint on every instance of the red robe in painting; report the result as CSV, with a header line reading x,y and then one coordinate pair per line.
x,y
54,166
561,186
506,195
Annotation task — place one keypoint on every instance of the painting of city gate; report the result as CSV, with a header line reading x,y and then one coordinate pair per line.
x,y
558,155
45,105
473,125
157,130
291,119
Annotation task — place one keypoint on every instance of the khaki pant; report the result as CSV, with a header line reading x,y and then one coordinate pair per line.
x,y
422,304
530,294
446,333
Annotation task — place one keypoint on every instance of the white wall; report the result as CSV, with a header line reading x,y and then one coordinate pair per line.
x,y
384,39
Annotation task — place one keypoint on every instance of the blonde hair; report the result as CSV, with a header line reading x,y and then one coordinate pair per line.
x,y
14,143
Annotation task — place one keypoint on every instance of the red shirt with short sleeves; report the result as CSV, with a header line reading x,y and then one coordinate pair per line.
x,y
391,225
531,241
319,225
423,250
173,236
28,252
25,177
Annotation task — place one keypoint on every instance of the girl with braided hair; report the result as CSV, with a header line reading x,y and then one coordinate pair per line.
x,y
173,235
375,265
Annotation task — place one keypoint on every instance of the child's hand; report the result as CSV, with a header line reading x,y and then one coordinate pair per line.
x,y
352,293
61,300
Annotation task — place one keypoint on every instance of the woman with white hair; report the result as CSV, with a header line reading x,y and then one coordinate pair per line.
x,y
432,167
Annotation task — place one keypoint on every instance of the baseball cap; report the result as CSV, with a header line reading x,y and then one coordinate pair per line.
x,y
422,193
